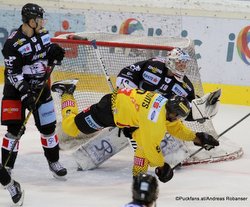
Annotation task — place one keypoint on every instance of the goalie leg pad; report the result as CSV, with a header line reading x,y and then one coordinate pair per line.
x,y
99,148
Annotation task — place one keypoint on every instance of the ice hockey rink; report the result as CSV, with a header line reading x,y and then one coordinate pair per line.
x,y
223,184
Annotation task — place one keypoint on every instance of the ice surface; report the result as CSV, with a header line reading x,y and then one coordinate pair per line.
x,y
110,185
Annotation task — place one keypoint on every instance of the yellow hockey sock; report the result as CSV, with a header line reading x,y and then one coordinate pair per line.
x,y
69,105
69,111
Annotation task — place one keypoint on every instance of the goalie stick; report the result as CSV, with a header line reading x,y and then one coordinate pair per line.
x,y
197,151
104,69
30,112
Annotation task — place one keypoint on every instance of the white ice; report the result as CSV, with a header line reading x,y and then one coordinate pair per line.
x,y
110,185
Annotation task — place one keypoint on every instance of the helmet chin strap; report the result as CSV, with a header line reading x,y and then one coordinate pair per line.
x,y
34,29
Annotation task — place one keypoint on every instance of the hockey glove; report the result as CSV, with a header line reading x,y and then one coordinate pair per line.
x,y
164,173
207,141
128,131
55,52
29,100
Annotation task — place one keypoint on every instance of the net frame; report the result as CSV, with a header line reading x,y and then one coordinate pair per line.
x,y
128,49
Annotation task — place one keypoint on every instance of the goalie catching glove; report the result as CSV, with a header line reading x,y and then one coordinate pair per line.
x,y
206,107
164,173
206,141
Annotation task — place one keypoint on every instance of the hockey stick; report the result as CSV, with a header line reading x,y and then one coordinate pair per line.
x,y
224,132
20,133
104,69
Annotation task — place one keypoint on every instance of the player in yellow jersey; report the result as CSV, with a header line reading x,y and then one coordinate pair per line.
x,y
150,112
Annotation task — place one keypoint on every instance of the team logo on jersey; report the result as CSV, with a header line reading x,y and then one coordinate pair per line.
x,y
178,90
154,69
150,77
45,39
155,109
19,42
25,49
185,85
134,68
168,80
33,39
9,62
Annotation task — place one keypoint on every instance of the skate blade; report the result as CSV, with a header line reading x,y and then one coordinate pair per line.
x,y
20,202
61,178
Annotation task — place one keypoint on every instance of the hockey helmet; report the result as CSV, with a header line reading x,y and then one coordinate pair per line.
x,y
145,188
31,11
177,107
176,62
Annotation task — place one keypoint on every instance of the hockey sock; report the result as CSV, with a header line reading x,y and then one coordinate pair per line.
x,y
69,105
69,111
6,147
50,147
5,177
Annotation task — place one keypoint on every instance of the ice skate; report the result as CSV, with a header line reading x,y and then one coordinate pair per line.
x,y
58,170
16,193
64,86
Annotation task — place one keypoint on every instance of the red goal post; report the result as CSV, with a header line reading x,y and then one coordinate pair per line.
x,y
118,51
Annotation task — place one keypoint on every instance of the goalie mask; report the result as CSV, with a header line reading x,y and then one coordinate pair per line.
x,y
177,107
31,11
145,188
176,62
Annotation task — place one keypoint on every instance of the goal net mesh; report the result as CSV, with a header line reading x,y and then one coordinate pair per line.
x,y
117,52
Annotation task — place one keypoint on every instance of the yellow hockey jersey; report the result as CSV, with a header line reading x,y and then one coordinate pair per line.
x,y
146,110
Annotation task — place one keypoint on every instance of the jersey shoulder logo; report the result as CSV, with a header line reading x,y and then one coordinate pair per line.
x,y
178,90
154,69
156,107
19,42
45,39
9,62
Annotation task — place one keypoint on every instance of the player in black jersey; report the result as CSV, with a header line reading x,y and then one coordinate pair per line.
x,y
145,191
28,52
163,75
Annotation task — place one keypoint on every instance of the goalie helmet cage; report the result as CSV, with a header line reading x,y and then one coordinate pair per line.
x,y
118,51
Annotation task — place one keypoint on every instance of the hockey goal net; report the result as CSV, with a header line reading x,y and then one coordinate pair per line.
x,y
117,52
